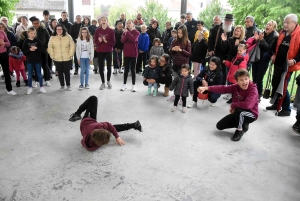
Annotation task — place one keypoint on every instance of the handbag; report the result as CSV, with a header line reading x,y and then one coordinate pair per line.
x,y
207,58
267,91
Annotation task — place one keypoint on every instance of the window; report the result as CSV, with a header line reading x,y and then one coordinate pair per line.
x,y
86,2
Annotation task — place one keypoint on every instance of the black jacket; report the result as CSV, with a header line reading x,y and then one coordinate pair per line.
x,y
182,85
250,32
66,23
92,29
12,39
166,70
228,46
212,38
152,73
43,35
74,30
199,50
268,44
211,77
33,56
192,29
119,20
166,36
153,33
118,36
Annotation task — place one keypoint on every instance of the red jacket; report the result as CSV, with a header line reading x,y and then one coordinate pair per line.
x,y
180,58
130,40
16,64
294,47
87,126
236,63
245,99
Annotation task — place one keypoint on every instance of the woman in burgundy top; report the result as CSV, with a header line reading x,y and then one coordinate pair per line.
x,y
96,134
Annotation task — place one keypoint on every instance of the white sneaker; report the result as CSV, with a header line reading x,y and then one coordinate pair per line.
x,y
133,88
12,93
174,108
62,88
68,88
35,85
120,71
102,86
115,71
183,110
212,105
123,87
172,98
42,90
47,83
227,96
194,104
29,91
109,86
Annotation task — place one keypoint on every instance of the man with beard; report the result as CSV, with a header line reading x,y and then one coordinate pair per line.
x,y
122,19
214,40
191,25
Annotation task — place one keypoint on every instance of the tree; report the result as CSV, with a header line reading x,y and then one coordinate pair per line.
x,y
101,11
6,6
153,8
264,10
215,8
118,8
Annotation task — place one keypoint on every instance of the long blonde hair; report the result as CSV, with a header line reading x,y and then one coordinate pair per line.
x,y
242,37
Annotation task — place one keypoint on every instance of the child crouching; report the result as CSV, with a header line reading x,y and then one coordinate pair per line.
x,y
181,85
151,74
16,63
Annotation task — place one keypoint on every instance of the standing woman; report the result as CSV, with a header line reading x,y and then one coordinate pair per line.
x,y
180,49
267,43
50,28
10,36
61,49
104,39
130,39
4,43
153,32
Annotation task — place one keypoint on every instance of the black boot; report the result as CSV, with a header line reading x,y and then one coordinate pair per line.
x,y
296,127
137,126
18,84
26,82
74,117
245,127
229,101
237,135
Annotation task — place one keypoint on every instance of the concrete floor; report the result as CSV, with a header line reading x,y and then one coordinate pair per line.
x,y
177,157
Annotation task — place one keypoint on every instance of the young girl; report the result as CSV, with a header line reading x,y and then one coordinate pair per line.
x,y
151,74
209,77
33,48
239,61
182,84
16,63
156,49
199,50
84,51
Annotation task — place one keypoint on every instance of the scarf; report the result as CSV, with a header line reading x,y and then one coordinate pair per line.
x,y
16,56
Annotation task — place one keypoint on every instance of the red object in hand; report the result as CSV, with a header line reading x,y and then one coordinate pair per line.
x,y
203,96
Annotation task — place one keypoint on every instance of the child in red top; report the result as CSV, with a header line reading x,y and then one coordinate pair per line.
x,y
96,134
16,63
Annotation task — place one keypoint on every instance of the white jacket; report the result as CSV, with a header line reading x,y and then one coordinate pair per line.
x,y
90,48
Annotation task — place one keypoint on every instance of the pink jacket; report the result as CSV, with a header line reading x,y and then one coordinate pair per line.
x,y
16,64
130,40
236,63
6,42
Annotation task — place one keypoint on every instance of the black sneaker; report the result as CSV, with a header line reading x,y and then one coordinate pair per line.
x,y
245,127
272,107
74,117
296,127
237,135
283,113
229,101
76,72
137,126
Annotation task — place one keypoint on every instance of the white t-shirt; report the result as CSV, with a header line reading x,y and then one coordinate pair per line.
x,y
84,49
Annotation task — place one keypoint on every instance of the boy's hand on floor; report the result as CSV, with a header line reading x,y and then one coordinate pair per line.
x,y
119,141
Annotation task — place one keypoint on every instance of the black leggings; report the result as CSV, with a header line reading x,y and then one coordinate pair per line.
x,y
129,62
5,68
63,69
236,120
102,56
183,98
90,107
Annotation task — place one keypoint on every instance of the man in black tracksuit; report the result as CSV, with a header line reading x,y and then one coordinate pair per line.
x,y
74,32
64,21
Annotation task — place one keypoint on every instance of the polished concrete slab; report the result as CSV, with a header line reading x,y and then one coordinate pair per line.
x,y
177,157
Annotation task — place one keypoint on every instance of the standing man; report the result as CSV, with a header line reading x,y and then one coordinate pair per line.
x,y
64,21
4,20
182,21
250,30
286,60
214,41
46,20
122,19
216,20
74,32
191,25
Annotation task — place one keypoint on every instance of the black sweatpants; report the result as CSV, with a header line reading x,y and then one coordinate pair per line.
x,y
63,69
45,66
183,98
129,62
90,107
236,119
76,61
102,56
5,67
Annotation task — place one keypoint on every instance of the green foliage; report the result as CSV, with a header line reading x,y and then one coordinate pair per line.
x,y
118,8
210,11
153,8
101,11
6,6
264,10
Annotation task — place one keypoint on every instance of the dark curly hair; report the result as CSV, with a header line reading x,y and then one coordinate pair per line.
x,y
100,136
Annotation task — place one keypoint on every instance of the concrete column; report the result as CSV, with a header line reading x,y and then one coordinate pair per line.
x,y
183,6
71,10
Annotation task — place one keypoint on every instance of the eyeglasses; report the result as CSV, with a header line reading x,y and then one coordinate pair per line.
x,y
162,60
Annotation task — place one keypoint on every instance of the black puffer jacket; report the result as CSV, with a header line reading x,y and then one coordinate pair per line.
x,y
74,30
228,46
166,70
66,23
250,31
118,36
153,33
199,50
268,44
43,35
182,85
152,73
212,78
166,36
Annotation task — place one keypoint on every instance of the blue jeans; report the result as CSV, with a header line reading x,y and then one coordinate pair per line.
x,y
84,69
38,67
116,57
154,85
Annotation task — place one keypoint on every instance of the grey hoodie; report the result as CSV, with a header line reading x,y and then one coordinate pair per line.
x,y
182,85
156,50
